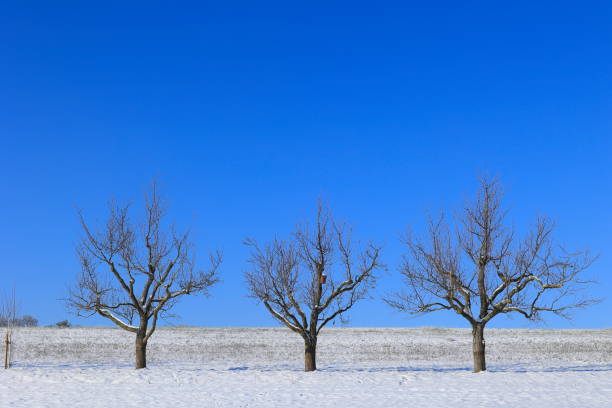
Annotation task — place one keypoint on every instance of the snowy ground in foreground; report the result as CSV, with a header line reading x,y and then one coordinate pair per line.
x,y
426,367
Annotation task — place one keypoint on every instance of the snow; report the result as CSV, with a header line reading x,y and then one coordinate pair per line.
x,y
358,367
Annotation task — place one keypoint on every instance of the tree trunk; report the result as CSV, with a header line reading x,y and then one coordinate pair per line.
x,y
310,357
141,351
478,346
7,345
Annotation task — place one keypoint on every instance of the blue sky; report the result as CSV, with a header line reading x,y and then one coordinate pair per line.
x,y
247,114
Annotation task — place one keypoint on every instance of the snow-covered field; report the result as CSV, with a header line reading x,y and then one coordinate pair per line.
x,y
358,367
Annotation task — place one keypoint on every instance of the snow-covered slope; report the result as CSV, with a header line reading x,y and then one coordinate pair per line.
x,y
359,367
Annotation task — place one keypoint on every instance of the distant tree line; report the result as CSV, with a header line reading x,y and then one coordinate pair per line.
x,y
473,264
23,321
28,321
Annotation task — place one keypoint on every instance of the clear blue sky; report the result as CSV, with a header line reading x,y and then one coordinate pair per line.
x,y
248,113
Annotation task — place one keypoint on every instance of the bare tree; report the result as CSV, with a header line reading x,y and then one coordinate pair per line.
x,y
135,276
482,270
9,310
28,321
312,278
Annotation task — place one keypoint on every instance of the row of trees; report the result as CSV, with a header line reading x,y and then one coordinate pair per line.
x,y
23,321
473,265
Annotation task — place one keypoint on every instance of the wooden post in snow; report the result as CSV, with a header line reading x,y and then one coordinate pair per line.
x,y
7,344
